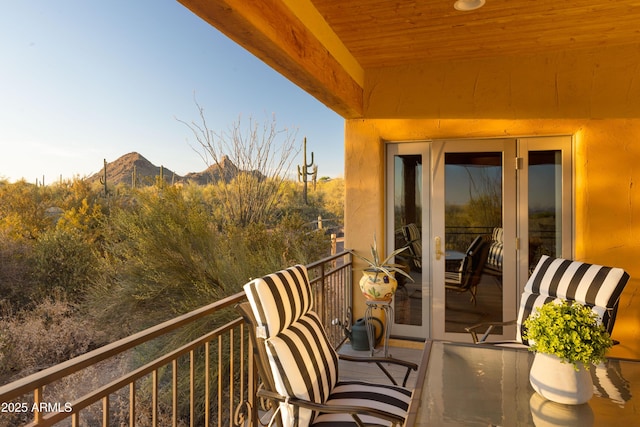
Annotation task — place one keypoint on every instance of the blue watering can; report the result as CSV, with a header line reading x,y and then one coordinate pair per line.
x,y
358,333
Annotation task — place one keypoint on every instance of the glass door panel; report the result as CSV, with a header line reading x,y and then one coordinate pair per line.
x,y
545,205
471,182
545,192
473,209
407,208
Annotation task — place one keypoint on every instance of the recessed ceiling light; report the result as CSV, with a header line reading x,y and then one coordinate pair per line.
x,y
466,5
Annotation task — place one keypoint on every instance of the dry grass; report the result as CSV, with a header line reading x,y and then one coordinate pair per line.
x,y
49,334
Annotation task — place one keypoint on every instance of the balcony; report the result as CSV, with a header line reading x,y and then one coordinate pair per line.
x,y
209,381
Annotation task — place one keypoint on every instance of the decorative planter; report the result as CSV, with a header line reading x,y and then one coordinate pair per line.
x,y
560,382
377,286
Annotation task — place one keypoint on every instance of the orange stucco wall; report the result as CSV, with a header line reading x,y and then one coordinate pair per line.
x,y
607,199
590,94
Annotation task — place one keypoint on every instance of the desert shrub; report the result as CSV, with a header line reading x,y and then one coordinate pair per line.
x,y
62,260
160,260
49,334
22,209
15,285
167,257
261,155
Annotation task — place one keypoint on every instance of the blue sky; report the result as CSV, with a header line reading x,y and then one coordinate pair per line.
x,y
81,81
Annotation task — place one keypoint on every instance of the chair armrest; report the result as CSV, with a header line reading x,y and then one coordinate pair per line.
x,y
395,420
489,327
410,366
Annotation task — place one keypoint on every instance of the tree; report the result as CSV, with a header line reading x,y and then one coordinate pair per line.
x,y
262,156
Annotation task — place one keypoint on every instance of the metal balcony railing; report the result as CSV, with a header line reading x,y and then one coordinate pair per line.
x,y
210,381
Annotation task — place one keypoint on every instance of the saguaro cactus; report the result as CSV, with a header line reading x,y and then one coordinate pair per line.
x,y
134,177
303,172
160,178
103,178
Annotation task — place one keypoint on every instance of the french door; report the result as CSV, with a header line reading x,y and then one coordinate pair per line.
x,y
444,196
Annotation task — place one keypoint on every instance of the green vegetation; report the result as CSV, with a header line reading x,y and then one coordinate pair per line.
x,y
82,265
78,269
570,331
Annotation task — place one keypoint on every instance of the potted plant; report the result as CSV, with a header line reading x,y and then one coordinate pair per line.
x,y
378,282
567,338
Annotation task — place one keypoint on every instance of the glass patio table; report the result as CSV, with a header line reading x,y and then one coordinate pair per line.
x,y
475,385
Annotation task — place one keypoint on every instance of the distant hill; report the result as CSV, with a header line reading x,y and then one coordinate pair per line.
x,y
224,170
121,171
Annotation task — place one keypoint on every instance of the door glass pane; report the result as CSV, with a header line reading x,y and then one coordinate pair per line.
x,y
545,205
473,239
407,213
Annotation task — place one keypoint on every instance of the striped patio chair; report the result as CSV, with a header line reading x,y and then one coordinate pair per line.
x,y
467,277
496,250
596,286
303,367
413,239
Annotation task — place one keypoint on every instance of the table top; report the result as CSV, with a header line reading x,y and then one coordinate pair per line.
x,y
478,385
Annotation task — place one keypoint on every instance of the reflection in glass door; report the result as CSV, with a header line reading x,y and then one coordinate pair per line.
x,y
473,210
545,200
472,182
407,214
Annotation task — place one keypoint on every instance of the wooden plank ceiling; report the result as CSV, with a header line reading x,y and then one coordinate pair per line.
x,y
382,33
327,46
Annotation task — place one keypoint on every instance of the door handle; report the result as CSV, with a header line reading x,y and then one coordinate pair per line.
x,y
439,252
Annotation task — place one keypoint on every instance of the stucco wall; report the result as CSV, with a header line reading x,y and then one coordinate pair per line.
x,y
607,200
595,83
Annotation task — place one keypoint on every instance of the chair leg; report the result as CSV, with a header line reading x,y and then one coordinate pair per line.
x,y
474,291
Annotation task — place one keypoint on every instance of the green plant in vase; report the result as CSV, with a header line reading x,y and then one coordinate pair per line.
x,y
570,331
567,338
378,282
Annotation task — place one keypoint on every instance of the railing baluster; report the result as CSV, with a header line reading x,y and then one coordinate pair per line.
x,y
174,392
231,375
37,398
242,396
207,384
192,388
252,386
220,380
154,398
105,411
132,404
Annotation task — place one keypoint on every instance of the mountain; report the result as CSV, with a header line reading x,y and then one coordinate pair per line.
x,y
225,169
121,171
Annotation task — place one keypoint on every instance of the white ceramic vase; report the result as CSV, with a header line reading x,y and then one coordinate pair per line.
x,y
560,382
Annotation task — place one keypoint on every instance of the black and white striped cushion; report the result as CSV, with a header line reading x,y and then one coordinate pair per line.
x,y
279,299
413,237
455,277
388,398
559,279
496,250
304,365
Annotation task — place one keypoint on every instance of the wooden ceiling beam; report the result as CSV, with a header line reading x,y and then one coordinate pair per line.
x,y
273,33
